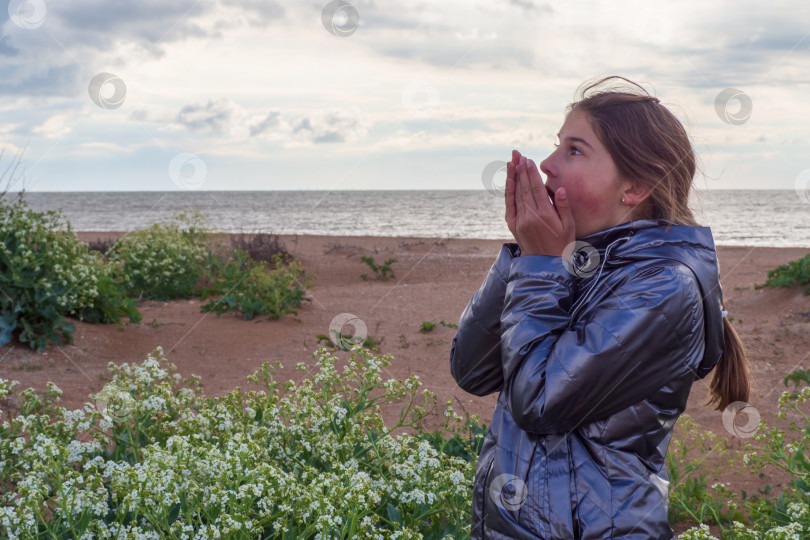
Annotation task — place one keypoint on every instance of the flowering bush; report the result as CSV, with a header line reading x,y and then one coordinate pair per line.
x,y
161,262
46,273
787,515
308,460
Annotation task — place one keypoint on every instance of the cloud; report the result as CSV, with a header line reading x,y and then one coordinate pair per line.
x,y
270,121
214,116
330,126
54,127
531,7
262,12
59,57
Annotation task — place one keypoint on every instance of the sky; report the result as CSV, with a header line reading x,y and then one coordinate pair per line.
x,y
150,95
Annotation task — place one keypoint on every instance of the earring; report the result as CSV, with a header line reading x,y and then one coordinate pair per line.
x,y
622,200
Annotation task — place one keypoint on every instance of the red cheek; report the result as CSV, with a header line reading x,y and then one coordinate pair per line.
x,y
588,205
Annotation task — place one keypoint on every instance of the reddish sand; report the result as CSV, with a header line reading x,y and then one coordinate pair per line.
x,y
434,281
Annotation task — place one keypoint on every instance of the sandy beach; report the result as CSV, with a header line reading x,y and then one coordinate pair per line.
x,y
434,281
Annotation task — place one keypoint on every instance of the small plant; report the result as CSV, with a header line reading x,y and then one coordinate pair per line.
x,y
261,246
427,326
381,271
102,245
339,341
793,273
797,376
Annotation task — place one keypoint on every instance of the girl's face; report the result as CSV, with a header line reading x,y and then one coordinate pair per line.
x,y
581,164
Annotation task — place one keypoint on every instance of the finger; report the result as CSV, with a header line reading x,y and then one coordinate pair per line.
x,y
520,205
510,195
537,186
564,211
516,158
525,186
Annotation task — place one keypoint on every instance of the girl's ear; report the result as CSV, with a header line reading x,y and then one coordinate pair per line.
x,y
634,193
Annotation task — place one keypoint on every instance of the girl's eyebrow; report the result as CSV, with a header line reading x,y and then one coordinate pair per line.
x,y
577,139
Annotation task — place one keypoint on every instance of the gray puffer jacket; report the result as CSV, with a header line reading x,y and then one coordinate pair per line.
x,y
593,366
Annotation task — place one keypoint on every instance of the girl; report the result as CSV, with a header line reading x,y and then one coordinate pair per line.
x,y
593,327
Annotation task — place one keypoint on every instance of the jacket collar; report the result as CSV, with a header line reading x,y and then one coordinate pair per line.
x,y
646,231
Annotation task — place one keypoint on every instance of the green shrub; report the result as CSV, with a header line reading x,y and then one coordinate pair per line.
x,y
46,274
309,460
254,288
380,271
161,262
793,273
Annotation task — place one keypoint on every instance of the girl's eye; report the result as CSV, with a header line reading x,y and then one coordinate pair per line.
x,y
573,148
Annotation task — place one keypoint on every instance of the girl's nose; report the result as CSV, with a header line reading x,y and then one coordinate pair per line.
x,y
547,167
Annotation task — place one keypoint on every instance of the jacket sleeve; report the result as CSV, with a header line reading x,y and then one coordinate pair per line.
x,y
475,354
642,332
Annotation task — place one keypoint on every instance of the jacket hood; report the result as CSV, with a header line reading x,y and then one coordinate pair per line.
x,y
691,245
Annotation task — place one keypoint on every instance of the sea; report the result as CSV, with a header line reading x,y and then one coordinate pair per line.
x,y
765,218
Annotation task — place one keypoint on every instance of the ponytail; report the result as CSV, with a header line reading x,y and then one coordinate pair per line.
x,y
731,379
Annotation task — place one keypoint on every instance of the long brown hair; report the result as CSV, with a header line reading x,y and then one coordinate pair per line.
x,y
651,148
